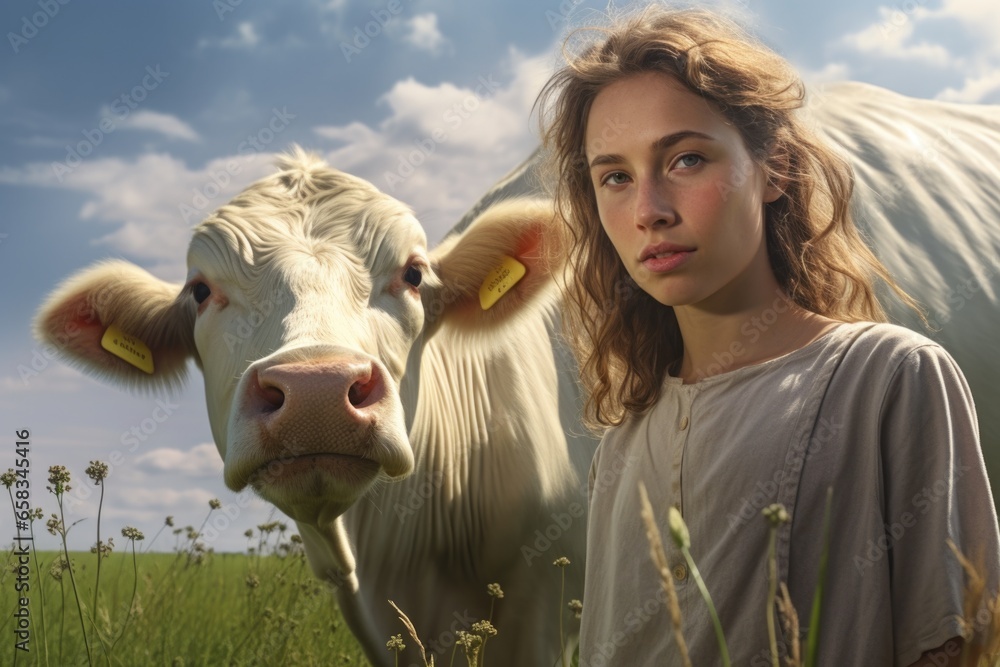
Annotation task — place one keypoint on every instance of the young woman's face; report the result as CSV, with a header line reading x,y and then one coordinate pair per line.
x,y
678,195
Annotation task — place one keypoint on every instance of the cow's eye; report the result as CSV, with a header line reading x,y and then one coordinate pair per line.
x,y
413,276
201,292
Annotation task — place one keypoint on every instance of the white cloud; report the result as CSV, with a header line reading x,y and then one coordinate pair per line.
x,y
443,146
35,372
246,37
979,18
892,37
151,201
975,88
164,123
423,33
199,461
830,73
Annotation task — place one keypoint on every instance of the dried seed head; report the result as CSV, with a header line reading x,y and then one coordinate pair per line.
x,y
562,561
576,607
678,529
8,478
248,533
395,643
484,629
494,590
102,548
215,503
54,525
97,471
59,479
169,522
252,581
133,533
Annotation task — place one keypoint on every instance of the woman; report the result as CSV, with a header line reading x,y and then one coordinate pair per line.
x,y
724,314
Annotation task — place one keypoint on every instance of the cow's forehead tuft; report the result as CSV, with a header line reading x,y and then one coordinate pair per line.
x,y
308,204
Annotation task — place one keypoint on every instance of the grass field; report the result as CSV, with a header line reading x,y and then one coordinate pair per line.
x,y
215,609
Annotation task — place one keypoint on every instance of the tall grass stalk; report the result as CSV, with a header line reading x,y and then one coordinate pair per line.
x,y
41,589
59,478
98,472
666,579
812,639
133,536
682,537
562,562
776,515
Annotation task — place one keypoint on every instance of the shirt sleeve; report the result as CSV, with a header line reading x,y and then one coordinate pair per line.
x,y
936,490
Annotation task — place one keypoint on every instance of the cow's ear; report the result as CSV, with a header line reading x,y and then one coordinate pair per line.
x,y
480,270
151,324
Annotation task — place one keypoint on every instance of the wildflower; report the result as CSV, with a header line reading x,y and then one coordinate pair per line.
x,y
484,629
54,525
103,548
58,566
59,479
248,533
295,539
252,581
37,514
8,478
215,503
776,514
469,642
169,522
562,561
679,529
133,533
97,471
395,643
576,607
495,591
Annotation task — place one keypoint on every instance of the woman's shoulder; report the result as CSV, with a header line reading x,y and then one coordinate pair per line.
x,y
885,338
893,350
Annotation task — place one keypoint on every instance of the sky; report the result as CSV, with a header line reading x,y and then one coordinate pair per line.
x,y
123,124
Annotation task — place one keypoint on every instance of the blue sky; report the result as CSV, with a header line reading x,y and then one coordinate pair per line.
x,y
123,123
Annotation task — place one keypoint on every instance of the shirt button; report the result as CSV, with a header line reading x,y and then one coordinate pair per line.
x,y
684,422
680,572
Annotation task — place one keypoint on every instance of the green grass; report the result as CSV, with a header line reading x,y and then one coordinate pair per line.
x,y
226,609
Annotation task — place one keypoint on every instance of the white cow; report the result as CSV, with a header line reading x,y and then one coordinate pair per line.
x,y
338,352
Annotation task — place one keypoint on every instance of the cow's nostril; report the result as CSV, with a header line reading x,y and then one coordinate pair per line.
x,y
361,390
273,396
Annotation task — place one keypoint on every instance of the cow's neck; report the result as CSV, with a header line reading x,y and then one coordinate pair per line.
x,y
473,420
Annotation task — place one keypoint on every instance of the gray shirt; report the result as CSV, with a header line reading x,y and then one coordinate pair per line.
x,y
881,414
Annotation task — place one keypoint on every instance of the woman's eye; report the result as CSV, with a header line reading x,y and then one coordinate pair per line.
x,y
413,276
201,292
616,178
689,160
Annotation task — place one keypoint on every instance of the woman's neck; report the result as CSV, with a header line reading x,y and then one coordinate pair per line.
x,y
722,340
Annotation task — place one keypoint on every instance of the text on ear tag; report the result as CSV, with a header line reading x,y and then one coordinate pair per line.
x,y
129,348
499,281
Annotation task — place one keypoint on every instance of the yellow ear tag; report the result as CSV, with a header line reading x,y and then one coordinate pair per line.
x,y
499,281
129,348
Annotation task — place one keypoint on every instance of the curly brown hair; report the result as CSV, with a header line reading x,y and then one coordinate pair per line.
x,y
624,340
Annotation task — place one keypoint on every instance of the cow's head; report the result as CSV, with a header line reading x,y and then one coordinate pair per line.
x,y
308,302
